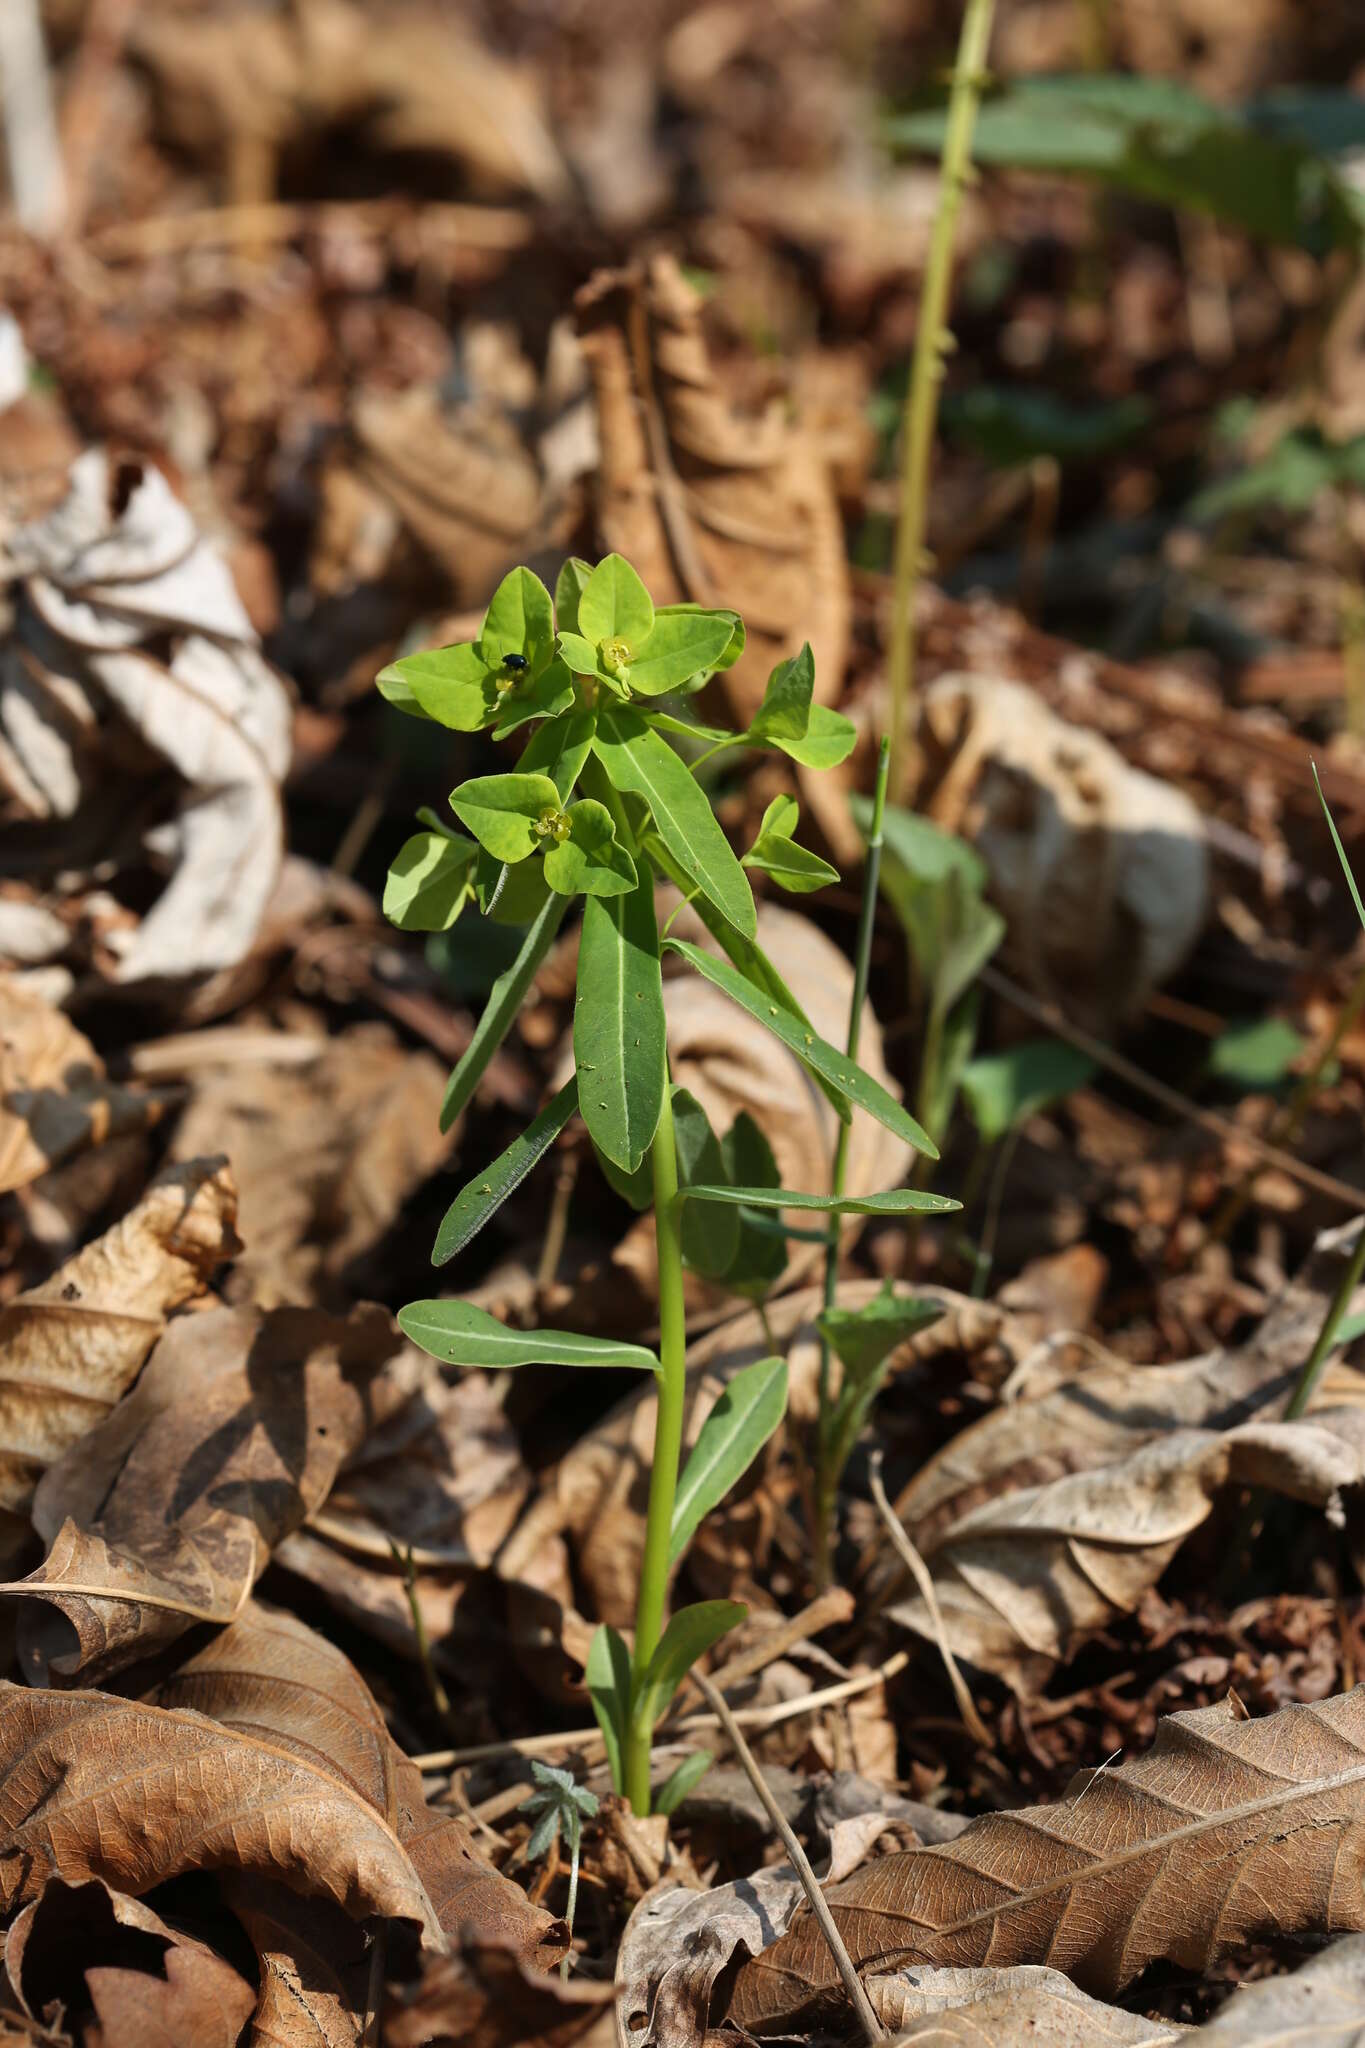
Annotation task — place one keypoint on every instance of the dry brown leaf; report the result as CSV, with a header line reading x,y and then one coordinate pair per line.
x,y
148,1984
1023,1578
72,1346
708,505
167,1512
324,1155
1228,1831
678,1942
462,481
315,1971
117,571
486,1997
1025,2007
271,1678
1320,2003
54,1098
1110,1408
445,1479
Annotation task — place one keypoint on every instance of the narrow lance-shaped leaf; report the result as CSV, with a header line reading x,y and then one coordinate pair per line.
x,y
683,1779
710,1235
894,1202
619,1028
689,1635
504,1000
731,1437
486,1193
640,763
863,1340
608,1681
812,1050
761,1257
458,1333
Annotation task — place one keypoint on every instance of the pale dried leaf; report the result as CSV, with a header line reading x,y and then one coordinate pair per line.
x,y
72,1346
1228,1831
1102,871
54,1099
314,1968
709,505
677,1943
149,1984
1025,2007
1021,1579
168,1511
1321,2004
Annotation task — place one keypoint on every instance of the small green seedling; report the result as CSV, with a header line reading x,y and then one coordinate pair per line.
x,y
1002,1090
601,807
561,1807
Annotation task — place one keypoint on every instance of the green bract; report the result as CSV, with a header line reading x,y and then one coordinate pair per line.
x,y
601,805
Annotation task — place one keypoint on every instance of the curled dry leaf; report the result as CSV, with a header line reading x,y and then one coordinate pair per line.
x,y
1101,870
117,570
1228,1831
166,1513
324,1154
731,1064
54,1098
1111,1408
1025,2007
444,1478
1022,1579
710,506
145,1981
314,1966
270,1678
72,1346
462,481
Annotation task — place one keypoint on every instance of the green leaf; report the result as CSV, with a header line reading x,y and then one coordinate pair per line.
x,y
1004,1089
519,620
590,862
681,645
689,1635
636,1188
394,687
784,713
1011,424
558,749
608,1681
710,1235
509,894
502,811
459,1334
452,685
732,652
487,1192
1257,1053
683,1779
774,852
504,1000
618,1026
863,1340
640,763
894,1202
546,695
569,586
1346,868
761,1257
428,882
614,605
745,1416
829,739
812,1050
690,729
745,954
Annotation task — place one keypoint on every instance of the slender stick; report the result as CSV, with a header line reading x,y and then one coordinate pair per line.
x,y
933,342
923,1578
843,1962
827,1481
1327,1335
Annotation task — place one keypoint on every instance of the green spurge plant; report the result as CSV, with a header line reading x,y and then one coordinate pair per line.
x,y
601,805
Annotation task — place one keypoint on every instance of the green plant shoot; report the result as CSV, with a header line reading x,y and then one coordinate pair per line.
x,y
599,806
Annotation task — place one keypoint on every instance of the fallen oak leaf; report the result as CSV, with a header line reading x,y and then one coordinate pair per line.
x,y
1020,1580
73,1345
168,1511
1227,1831
314,1966
147,1982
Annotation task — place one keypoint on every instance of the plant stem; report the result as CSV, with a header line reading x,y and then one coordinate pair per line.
x,y
1331,1322
827,1481
663,1478
575,1842
933,341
